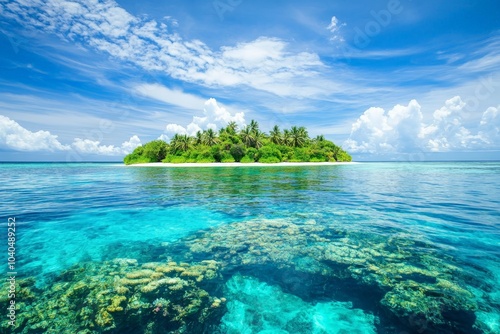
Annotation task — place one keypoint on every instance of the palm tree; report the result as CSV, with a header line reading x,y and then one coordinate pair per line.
x,y
286,137
210,138
336,151
319,138
298,136
258,136
254,126
303,130
174,140
247,136
275,135
180,142
231,128
199,138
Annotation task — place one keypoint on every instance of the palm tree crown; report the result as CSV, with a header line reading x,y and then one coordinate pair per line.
x,y
298,136
181,142
247,136
231,128
210,138
275,135
254,126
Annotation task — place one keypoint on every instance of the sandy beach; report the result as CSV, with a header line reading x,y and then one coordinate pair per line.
x,y
238,164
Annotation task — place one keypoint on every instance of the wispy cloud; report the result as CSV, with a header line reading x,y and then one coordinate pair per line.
x,y
263,64
171,96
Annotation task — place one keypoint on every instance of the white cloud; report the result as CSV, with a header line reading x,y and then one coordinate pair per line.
x,y
489,127
131,144
264,64
88,146
170,96
164,137
175,128
334,28
402,130
214,117
13,135
488,62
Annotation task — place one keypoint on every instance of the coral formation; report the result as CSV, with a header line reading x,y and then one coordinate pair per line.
x,y
409,277
119,296
413,277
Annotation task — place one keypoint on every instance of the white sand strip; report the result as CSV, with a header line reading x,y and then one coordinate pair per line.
x,y
238,164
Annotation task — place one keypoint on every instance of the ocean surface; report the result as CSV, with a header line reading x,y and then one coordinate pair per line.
x,y
355,248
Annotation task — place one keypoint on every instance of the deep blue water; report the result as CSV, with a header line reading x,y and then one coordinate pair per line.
x,y
71,213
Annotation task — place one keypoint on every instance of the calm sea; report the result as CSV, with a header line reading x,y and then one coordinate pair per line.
x,y
67,214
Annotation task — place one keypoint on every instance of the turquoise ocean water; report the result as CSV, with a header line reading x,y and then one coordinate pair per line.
x,y
357,248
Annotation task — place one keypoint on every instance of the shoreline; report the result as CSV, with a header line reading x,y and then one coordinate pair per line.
x,y
239,164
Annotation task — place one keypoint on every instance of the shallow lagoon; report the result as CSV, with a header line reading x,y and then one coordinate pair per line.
x,y
366,248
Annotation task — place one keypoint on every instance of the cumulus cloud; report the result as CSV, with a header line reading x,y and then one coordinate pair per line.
x,y
13,135
176,128
489,127
403,130
130,145
263,64
88,146
214,117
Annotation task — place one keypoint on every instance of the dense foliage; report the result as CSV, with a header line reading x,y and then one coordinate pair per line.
x,y
247,145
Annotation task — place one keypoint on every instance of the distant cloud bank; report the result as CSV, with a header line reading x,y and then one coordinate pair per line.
x,y
14,136
403,130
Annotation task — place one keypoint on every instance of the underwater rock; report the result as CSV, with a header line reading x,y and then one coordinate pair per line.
x,y
257,307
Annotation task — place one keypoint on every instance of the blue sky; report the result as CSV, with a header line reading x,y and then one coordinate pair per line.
x,y
387,80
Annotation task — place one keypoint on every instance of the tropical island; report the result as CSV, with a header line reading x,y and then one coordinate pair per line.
x,y
248,145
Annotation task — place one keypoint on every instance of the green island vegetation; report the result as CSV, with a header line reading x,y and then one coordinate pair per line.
x,y
246,146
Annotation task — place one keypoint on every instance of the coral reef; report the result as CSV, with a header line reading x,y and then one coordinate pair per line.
x,y
121,296
413,277
409,279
